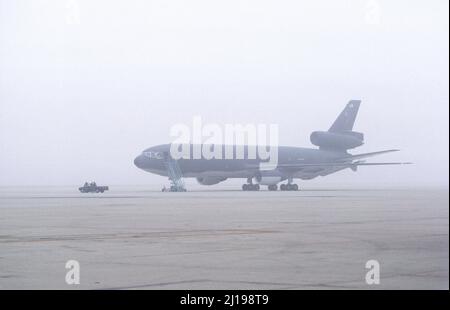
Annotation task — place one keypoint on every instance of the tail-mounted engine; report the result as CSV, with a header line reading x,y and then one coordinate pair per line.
x,y
337,140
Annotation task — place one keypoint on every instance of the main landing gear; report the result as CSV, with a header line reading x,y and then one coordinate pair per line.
x,y
283,187
272,187
250,186
289,187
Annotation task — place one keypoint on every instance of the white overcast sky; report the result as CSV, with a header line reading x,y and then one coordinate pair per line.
x,y
87,85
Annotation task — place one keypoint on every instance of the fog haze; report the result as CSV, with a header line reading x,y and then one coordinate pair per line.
x,y
85,86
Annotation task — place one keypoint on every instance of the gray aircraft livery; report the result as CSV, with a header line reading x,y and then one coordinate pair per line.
x,y
292,162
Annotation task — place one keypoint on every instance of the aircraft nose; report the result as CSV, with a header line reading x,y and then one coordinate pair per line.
x,y
140,161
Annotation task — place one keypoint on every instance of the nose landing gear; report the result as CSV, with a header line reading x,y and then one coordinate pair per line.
x,y
173,188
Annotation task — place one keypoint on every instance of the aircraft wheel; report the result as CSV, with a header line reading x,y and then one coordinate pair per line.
x,y
250,187
289,187
273,187
283,187
294,187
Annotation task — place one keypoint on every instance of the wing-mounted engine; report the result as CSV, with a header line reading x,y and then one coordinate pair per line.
x,y
268,180
337,140
210,180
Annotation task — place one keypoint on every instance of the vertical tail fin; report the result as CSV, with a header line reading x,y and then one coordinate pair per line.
x,y
346,119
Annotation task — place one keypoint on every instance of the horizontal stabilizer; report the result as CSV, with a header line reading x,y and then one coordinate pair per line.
x,y
337,164
365,155
381,164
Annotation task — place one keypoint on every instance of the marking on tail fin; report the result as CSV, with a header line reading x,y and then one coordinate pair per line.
x,y
345,121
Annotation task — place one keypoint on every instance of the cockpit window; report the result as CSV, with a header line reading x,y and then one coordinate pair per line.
x,y
153,155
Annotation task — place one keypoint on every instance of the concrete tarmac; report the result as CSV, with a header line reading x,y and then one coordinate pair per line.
x,y
212,239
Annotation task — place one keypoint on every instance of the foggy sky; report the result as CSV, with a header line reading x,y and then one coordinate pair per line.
x,y
85,86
